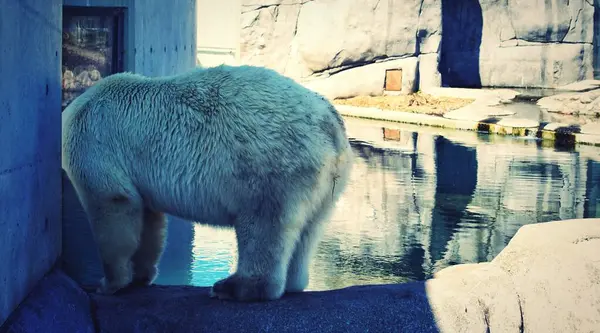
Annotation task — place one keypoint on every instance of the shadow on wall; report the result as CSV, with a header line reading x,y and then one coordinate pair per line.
x,y
462,25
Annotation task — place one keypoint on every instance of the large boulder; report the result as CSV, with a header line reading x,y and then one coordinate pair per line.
x,y
474,298
302,38
546,280
555,268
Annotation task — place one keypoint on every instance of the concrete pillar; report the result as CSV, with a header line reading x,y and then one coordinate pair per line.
x,y
30,186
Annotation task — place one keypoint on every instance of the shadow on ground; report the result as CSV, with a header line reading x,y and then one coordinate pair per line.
x,y
57,304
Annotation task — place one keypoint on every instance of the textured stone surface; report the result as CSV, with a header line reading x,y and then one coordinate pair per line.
x,y
477,112
476,298
429,76
55,305
365,80
560,127
536,284
543,65
301,38
581,86
385,308
483,96
555,268
518,43
580,103
545,21
521,43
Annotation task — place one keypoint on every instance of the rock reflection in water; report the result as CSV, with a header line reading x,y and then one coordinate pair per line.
x,y
419,200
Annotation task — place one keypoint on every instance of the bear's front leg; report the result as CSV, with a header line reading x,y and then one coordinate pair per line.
x,y
150,248
264,251
117,226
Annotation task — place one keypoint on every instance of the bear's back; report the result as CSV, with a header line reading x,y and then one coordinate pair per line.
x,y
203,135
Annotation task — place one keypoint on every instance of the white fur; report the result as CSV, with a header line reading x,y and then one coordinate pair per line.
x,y
241,147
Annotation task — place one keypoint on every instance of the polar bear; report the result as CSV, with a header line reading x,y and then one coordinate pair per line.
x,y
229,146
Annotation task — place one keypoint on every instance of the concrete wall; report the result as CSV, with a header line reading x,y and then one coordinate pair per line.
x,y
218,27
30,31
159,40
164,37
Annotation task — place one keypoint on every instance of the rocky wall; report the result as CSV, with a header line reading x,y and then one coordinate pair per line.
x,y
463,43
539,43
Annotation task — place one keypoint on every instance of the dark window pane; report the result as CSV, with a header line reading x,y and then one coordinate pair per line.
x,y
88,51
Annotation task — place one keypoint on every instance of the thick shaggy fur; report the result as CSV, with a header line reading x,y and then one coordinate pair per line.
x,y
240,147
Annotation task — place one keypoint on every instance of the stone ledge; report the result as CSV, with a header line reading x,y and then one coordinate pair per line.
x,y
56,304
381,308
492,126
547,279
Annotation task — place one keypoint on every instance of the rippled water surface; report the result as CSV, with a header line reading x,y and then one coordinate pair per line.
x,y
419,200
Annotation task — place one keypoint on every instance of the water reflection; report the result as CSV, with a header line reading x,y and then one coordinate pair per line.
x,y
419,200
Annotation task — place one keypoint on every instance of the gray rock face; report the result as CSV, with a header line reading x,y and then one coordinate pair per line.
x,y
365,80
522,43
578,103
304,39
543,65
540,20
429,76
316,36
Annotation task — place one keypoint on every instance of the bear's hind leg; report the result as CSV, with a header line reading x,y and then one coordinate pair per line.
x,y
264,251
297,275
151,247
117,225
326,197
